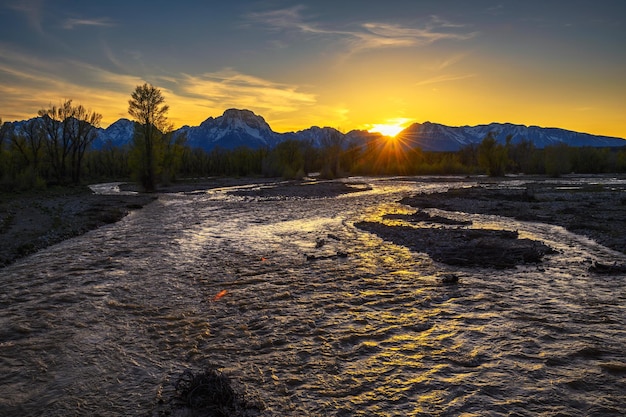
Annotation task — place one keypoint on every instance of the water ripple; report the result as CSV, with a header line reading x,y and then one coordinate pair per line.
x,y
103,323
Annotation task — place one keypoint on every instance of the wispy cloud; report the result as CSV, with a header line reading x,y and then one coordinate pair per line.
x,y
72,23
368,35
444,78
448,62
29,83
289,18
228,88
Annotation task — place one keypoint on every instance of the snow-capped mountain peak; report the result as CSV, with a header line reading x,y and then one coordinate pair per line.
x,y
234,128
237,128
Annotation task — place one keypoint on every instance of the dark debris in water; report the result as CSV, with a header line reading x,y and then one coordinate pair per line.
x,y
338,255
464,247
450,279
594,210
209,393
600,268
422,216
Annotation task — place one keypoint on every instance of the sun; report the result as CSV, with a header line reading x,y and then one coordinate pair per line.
x,y
391,128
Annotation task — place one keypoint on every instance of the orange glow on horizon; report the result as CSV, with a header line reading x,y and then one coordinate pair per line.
x,y
391,128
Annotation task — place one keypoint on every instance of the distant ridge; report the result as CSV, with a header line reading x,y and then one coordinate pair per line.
x,y
237,128
436,137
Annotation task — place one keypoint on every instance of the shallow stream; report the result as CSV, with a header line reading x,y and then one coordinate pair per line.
x,y
104,323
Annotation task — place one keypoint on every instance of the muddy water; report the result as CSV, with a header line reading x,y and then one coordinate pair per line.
x,y
104,323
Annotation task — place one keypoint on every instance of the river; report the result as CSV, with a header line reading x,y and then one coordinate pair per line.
x,y
104,323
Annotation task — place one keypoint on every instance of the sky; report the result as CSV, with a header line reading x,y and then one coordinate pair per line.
x,y
345,64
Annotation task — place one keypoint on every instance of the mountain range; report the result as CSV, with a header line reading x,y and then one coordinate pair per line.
x,y
237,128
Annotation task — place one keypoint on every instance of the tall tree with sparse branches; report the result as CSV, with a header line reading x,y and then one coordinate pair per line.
x,y
29,142
69,130
147,106
55,122
4,133
83,131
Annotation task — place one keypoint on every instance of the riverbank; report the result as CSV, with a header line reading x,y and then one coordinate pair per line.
x,y
31,221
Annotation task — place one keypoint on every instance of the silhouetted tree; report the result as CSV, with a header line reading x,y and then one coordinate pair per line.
x,y
147,106
82,129
174,147
4,134
109,162
557,160
492,156
332,145
55,124
29,142
521,156
468,155
286,160
68,130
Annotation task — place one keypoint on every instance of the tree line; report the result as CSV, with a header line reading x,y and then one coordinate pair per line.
x,y
55,149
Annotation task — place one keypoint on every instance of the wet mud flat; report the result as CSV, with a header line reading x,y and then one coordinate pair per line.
x,y
597,211
35,220
464,247
32,221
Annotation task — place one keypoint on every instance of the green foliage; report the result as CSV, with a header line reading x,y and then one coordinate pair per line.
x,y
620,161
151,140
331,152
109,163
557,160
520,156
55,149
492,156
285,160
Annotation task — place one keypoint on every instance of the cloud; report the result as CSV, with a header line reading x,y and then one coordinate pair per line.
x,y
230,88
444,78
448,62
368,35
289,18
72,23
28,84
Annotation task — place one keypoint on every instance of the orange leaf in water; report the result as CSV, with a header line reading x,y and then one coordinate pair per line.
x,y
220,295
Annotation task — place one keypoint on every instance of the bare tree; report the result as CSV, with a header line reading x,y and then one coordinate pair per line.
x,y
83,126
4,133
69,130
55,122
29,142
